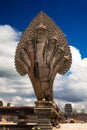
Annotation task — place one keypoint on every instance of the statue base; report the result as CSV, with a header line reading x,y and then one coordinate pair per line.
x,y
47,115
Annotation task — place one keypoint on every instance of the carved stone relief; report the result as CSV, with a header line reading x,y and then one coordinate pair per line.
x,y
42,52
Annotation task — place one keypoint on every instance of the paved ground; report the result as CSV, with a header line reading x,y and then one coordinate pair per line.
x,y
75,126
67,126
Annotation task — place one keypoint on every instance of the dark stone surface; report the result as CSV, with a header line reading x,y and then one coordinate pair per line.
x,y
16,127
16,110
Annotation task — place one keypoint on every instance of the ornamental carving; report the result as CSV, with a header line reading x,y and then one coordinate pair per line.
x,y
42,52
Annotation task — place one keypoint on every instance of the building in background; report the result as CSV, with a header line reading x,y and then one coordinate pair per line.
x,y
72,114
68,110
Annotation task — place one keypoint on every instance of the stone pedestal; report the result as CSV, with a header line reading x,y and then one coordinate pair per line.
x,y
46,115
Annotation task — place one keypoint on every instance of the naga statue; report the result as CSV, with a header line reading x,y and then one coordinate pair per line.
x,y
42,52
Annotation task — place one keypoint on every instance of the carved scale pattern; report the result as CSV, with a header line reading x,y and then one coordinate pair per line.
x,y
52,55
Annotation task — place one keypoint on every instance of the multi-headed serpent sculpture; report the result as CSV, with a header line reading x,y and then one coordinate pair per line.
x,y
43,52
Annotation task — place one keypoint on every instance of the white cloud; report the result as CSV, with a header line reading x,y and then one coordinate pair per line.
x,y
12,85
73,87
19,91
8,41
27,101
8,34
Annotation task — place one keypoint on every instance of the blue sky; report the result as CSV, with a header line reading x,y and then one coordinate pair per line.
x,y
71,17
